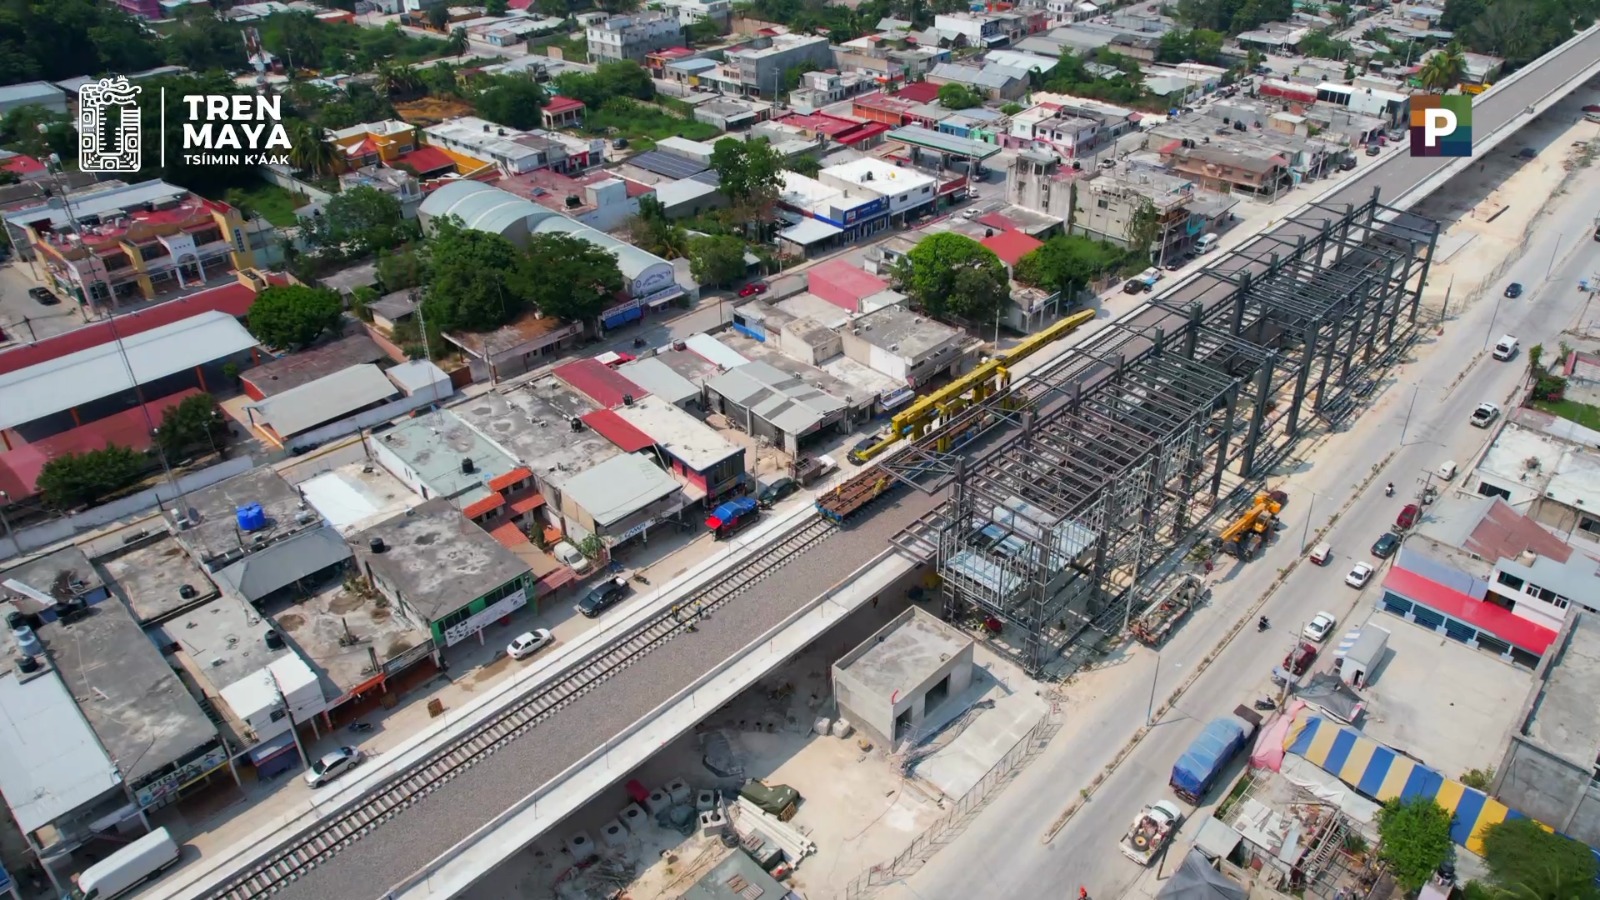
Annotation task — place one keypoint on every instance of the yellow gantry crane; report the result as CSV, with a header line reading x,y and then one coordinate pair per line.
x,y
989,378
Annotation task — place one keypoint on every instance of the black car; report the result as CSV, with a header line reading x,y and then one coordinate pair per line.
x,y
1527,153
44,295
1346,164
1384,547
1134,286
1514,290
1374,149
603,597
776,492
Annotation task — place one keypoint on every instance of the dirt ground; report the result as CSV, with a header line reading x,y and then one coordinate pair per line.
x,y
762,460
431,110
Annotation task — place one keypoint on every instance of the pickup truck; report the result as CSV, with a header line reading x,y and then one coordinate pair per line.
x,y
1197,769
1150,831
1485,414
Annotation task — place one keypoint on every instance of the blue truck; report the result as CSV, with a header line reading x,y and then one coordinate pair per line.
x,y
1197,769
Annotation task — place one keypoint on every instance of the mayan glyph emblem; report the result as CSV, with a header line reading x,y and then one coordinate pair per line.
x,y
109,126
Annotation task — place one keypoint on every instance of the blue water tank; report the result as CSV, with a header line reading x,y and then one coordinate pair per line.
x,y
251,517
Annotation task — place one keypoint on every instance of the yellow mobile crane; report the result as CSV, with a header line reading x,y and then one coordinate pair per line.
x,y
983,382
1246,533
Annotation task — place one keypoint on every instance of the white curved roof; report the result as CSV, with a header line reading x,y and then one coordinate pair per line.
x,y
483,207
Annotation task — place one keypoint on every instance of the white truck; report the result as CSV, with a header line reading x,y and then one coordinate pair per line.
x,y
1150,831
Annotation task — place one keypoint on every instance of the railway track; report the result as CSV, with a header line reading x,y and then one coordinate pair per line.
x,y
322,841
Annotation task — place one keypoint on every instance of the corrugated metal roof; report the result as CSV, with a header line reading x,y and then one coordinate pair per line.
x,y
284,563
659,379
617,430
598,382
791,405
77,378
328,398
51,762
714,351
619,487
1495,620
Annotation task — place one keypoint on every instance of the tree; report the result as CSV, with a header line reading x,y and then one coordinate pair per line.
x,y
747,170
1415,840
404,268
618,78
290,317
950,274
1342,14
958,96
194,424
395,80
559,9
456,44
512,102
495,7
1525,861
717,260
478,280
1144,227
1066,263
576,279
1443,70
72,480
203,41
806,165
38,132
359,221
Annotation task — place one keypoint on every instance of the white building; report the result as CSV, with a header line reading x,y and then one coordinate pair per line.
x,y
902,189
514,152
691,11
631,37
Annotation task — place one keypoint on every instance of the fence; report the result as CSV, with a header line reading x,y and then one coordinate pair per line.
x,y
285,179
951,825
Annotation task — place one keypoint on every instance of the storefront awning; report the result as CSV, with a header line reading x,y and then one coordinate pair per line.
x,y
810,231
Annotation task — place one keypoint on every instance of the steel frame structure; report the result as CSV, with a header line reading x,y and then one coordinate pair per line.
x,y
1111,458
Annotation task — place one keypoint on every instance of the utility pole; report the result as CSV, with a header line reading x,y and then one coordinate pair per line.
x,y
1554,252
1409,408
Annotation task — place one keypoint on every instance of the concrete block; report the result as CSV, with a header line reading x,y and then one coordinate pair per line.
x,y
821,726
633,817
678,790
580,845
612,834
657,802
713,823
704,800
843,729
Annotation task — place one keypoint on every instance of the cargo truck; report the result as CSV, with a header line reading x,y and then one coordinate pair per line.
x,y
1197,769
1150,831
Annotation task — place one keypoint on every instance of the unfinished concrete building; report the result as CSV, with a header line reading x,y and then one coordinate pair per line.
x,y
900,676
1107,461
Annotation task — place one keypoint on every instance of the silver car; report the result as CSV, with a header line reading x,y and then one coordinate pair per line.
x,y
332,765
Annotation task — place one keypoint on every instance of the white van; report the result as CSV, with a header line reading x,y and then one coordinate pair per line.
x,y
1447,470
1206,243
1505,348
1321,554
129,867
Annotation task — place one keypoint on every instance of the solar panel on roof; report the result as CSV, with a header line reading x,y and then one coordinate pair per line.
x,y
666,164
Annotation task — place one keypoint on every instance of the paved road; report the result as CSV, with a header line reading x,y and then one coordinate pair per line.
x,y
1438,429
457,808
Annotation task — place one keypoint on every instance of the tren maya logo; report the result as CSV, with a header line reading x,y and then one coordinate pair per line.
x,y
218,129
1441,126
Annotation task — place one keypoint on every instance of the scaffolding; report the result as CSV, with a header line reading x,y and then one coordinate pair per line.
x,y
1091,474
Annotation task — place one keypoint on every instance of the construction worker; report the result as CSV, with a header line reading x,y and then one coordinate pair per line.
x,y
1083,893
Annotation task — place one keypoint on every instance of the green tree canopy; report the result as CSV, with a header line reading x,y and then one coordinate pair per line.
x,y
495,7
1067,263
360,221
480,280
1190,45
1528,863
950,274
292,316
618,78
1415,840
576,279
958,96
66,38
194,424
72,480
717,260
511,101
748,170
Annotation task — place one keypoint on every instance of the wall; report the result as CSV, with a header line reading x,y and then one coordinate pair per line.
x,y
324,459
876,714
287,181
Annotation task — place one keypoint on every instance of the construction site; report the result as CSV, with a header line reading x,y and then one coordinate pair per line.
x,y
1072,493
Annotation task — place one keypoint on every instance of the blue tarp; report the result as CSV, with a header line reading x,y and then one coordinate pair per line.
x,y
733,509
1212,750
617,320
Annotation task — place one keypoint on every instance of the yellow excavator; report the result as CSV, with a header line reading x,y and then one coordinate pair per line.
x,y
1245,534
989,378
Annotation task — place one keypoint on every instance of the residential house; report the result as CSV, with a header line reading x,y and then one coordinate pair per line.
x,y
632,37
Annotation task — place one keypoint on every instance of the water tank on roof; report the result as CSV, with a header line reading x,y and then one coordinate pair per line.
x,y
468,466
274,640
251,517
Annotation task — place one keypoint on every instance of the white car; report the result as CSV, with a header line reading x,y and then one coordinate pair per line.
x,y
528,643
332,765
571,557
1359,575
1320,626
1485,414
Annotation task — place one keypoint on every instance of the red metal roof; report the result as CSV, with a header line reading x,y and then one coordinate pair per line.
x,y
426,160
843,284
919,92
19,468
501,482
598,382
1497,621
821,123
995,220
558,104
618,430
1011,246
487,504
858,133
234,299
21,165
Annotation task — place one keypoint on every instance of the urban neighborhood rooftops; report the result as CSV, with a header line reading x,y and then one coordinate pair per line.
x,y
222,642
443,455
357,495
57,576
327,399
435,558
619,487
51,761
782,399
213,512
660,379
535,423
686,438
903,332
906,651
597,381
292,371
150,579
1563,720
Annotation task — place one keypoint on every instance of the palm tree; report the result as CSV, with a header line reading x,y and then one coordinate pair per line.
x,y
457,43
395,80
1443,70
308,151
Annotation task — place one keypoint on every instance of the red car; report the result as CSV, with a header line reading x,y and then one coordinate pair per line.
x,y
752,289
1300,658
1408,516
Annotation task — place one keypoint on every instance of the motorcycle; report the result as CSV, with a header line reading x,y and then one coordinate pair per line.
x,y
1388,491
638,342
1262,624
639,577
1266,704
359,727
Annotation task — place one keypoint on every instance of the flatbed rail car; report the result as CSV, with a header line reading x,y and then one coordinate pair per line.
x,y
1157,623
852,495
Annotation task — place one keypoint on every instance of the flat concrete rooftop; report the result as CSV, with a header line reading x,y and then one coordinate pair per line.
x,y
903,653
150,579
1563,717
434,447
317,626
214,529
357,495
436,558
532,422
60,575
221,642
849,394
142,713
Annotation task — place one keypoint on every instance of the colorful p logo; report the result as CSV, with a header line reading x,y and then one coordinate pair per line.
x,y
1441,126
